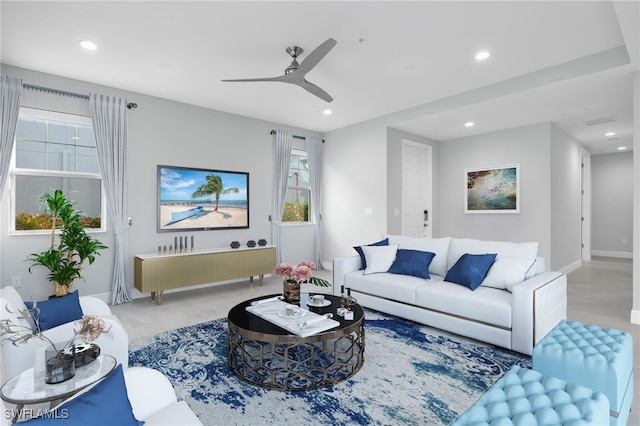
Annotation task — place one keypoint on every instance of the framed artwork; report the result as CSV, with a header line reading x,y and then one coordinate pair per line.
x,y
493,189
191,199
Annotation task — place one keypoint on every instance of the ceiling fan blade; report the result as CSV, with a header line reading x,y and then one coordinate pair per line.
x,y
313,89
244,80
316,56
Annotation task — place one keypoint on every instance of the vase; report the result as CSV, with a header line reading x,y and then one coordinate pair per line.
x,y
86,353
291,291
60,365
60,290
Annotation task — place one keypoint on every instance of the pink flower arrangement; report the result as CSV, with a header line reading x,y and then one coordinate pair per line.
x,y
302,273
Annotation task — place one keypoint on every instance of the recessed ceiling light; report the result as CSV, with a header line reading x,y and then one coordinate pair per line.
x,y
610,134
327,112
481,56
622,148
469,124
88,44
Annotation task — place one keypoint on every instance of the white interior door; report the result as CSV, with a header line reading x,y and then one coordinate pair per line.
x,y
417,209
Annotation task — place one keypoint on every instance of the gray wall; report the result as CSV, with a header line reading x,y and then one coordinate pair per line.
x,y
160,132
361,171
612,208
527,146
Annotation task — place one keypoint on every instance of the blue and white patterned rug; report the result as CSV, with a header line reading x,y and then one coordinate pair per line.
x,y
410,376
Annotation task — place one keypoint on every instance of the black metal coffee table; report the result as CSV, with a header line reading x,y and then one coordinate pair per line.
x,y
265,355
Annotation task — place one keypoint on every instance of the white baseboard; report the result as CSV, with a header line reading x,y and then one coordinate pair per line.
x,y
635,317
571,267
620,254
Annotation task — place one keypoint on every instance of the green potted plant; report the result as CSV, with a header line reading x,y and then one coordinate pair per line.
x,y
74,247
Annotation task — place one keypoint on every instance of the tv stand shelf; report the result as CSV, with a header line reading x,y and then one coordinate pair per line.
x,y
155,273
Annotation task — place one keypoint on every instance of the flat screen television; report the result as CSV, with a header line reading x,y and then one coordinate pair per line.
x,y
193,199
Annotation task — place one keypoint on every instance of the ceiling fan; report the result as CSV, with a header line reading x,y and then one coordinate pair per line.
x,y
294,73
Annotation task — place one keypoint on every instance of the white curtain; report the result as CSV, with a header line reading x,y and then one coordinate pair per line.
x,y
284,140
314,154
10,94
109,116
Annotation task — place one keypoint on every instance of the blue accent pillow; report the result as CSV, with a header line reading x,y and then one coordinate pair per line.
x,y
56,311
470,269
412,262
384,242
107,403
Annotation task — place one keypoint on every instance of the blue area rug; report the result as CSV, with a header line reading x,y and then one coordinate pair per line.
x,y
410,376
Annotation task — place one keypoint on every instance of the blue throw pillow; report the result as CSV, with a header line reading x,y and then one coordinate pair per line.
x,y
107,403
412,262
470,269
384,242
56,311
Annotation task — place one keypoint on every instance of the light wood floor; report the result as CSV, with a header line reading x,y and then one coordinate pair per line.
x,y
599,293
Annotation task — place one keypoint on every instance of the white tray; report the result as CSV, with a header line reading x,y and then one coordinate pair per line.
x,y
271,311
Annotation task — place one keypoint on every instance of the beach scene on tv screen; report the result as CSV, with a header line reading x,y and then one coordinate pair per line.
x,y
202,199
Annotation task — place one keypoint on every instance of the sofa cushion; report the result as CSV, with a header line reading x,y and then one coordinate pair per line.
x,y
470,269
104,404
56,311
379,258
439,246
485,304
412,262
401,288
507,271
460,246
358,249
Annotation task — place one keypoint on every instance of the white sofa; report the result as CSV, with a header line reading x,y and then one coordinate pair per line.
x,y
529,304
17,358
150,394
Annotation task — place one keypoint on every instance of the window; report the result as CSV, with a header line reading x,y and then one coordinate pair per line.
x,y
54,151
296,206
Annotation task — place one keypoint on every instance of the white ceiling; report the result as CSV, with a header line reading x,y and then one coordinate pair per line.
x,y
560,61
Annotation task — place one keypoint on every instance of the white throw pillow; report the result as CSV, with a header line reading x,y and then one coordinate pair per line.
x,y
507,271
379,258
461,246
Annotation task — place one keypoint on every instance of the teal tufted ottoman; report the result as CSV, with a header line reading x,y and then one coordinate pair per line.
x,y
591,356
525,397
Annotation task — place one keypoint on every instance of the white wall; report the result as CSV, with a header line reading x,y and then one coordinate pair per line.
x,y
566,209
160,132
355,178
612,208
527,146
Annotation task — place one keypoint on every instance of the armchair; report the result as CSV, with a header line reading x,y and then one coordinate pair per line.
x,y
17,358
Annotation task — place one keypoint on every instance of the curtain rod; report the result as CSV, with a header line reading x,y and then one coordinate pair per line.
x,y
130,105
273,132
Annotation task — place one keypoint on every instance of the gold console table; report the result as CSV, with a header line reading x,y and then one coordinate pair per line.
x,y
155,273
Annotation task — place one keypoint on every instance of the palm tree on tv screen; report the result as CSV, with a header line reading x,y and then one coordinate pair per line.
x,y
213,186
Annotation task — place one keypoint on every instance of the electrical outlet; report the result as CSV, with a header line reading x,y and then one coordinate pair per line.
x,y
624,241
16,281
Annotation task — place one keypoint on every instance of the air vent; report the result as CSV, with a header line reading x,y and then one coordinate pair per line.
x,y
612,139
602,120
